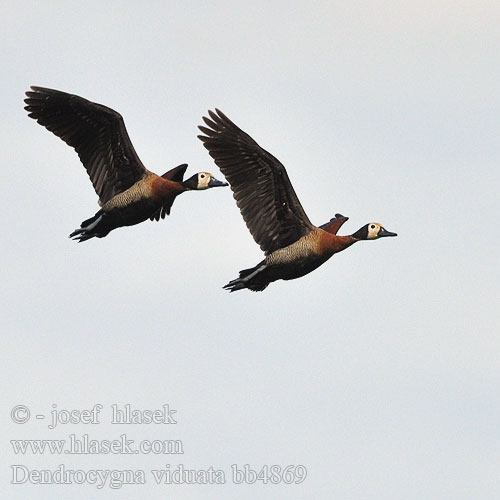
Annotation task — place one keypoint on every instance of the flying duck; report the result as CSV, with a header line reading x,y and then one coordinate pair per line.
x,y
293,246
128,192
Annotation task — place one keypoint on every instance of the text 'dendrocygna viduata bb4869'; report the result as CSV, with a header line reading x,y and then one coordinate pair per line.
x,y
293,246
128,192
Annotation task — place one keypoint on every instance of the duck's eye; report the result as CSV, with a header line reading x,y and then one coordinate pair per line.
x,y
372,226
202,176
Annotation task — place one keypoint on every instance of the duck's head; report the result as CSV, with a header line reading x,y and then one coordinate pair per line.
x,y
372,231
202,180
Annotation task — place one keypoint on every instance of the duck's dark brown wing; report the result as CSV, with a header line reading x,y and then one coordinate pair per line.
x,y
97,133
333,225
260,184
176,175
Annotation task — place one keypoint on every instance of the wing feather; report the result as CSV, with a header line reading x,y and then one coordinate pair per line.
x,y
260,184
96,132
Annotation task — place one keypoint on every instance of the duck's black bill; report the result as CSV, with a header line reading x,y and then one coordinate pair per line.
x,y
213,182
383,232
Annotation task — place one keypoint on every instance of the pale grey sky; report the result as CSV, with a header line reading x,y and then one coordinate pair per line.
x,y
380,371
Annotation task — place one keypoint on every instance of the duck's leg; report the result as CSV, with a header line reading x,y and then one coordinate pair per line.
x,y
247,279
86,231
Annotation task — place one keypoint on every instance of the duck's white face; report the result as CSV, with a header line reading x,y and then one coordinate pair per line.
x,y
373,230
376,230
203,180
206,180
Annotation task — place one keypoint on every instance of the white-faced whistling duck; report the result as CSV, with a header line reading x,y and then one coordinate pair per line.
x,y
128,192
264,194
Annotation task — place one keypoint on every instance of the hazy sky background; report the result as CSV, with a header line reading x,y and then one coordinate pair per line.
x,y
380,371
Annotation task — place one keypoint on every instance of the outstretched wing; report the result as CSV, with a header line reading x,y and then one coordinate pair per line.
x,y
97,133
259,182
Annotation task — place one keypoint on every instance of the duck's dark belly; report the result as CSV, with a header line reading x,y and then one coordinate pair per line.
x,y
296,269
134,213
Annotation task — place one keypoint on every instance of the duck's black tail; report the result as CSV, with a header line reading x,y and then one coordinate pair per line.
x,y
252,278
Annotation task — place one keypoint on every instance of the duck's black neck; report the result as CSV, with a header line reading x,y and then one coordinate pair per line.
x,y
191,183
361,234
